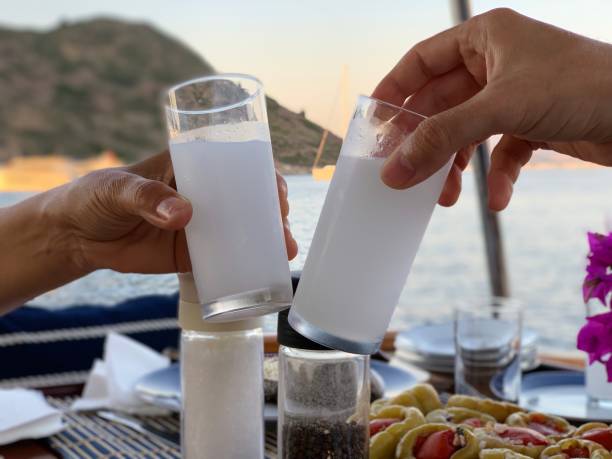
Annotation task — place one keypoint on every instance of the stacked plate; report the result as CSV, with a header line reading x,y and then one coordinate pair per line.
x,y
432,347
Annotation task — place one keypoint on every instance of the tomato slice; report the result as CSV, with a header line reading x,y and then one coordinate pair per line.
x,y
474,422
544,429
521,435
376,425
577,451
601,436
438,445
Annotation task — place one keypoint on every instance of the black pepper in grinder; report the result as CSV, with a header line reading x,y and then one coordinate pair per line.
x,y
323,399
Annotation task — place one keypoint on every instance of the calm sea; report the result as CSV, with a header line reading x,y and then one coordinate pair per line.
x,y
544,230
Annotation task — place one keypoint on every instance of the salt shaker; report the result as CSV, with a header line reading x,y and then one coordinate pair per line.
x,y
323,399
222,383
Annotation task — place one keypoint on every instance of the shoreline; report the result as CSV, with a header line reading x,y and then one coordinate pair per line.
x,y
32,184
288,169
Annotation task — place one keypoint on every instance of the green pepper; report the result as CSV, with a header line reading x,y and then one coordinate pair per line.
x,y
383,444
457,415
501,453
422,396
563,449
499,410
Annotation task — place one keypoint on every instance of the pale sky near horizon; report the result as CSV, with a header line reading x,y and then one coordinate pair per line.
x,y
298,48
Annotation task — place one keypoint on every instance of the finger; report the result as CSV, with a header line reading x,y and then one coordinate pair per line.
x,y
426,60
507,159
154,201
182,261
443,92
437,138
463,156
283,193
452,186
290,242
157,167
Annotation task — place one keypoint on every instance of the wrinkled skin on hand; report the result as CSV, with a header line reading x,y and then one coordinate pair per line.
x,y
131,219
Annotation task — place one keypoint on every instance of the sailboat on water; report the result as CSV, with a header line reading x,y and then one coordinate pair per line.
x,y
325,173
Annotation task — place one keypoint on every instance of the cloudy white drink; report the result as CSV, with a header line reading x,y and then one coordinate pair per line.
x,y
363,248
222,160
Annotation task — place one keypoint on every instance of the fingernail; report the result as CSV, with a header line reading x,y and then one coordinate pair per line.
x,y
170,206
398,171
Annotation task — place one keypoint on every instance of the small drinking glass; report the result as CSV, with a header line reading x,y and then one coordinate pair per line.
x,y
487,346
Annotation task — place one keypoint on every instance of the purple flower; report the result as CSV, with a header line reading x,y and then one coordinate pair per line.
x,y
595,338
598,281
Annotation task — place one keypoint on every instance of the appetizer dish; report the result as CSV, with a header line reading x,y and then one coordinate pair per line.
x,y
417,425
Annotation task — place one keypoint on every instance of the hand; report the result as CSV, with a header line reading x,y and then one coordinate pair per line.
x,y
131,219
500,73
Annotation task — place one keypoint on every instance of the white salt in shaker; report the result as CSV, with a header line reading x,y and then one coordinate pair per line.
x,y
222,383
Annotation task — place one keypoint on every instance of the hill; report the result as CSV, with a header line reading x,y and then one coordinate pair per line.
x,y
94,85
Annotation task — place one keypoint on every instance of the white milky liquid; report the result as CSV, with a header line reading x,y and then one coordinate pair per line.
x,y
223,397
364,245
235,237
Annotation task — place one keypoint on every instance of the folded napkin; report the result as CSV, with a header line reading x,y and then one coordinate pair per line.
x,y
24,413
111,382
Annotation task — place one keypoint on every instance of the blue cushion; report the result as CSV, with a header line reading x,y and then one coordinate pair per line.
x,y
40,347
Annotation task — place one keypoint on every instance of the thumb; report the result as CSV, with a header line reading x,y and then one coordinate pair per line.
x,y
154,201
437,138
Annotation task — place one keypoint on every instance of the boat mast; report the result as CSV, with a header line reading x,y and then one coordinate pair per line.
x,y
344,105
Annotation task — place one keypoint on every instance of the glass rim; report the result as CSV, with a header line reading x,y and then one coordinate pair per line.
x,y
481,304
222,108
390,105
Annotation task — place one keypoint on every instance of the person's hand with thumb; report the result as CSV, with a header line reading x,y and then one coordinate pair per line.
x,y
131,219
500,73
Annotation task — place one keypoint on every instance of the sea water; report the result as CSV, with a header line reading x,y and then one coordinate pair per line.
x,y
235,237
363,247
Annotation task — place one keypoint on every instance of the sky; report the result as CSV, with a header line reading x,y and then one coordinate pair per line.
x,y
300,48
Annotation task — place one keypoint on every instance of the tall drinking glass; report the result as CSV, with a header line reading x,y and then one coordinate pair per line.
x,y
366,238
487,345
222,158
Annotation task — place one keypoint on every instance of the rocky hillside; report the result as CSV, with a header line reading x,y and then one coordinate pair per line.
x,y
88,86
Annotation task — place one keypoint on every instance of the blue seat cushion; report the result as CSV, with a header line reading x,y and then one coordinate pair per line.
x,y
41,347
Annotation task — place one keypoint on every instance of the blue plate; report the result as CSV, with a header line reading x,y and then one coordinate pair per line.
x,y
162,388
561,393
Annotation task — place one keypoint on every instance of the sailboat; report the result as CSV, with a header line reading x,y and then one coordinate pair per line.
x,y
325,173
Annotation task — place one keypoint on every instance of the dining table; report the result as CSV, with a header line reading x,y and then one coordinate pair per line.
x,y
42,449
